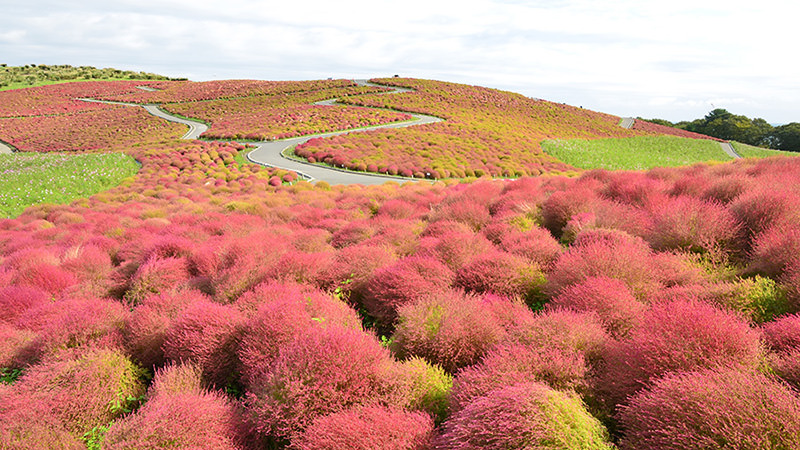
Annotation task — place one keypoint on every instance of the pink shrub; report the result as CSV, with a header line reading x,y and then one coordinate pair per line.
x,y
786,365
157,275
81,390
317,374
368,428
206,420
73,323
783,334
511,364
613,254
21,426
352,234
146,328
677,336
207,334
609,298
712,409
451,329
444,226
47,277
353,266
469,212
762,208
536,244
279,321
502,274
15,300
566,330
457,249
775,249
13,341
692,224
523,416
562,206
405,281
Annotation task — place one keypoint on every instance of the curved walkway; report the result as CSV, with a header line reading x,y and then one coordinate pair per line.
x,y
270,153
728,148
627,122
5,149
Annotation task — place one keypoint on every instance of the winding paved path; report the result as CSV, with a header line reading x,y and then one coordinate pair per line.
x,y
5,149
728,148
627,122
270,153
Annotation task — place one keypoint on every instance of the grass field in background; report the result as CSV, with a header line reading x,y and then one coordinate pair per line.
x,y
749,151
32,178
634,153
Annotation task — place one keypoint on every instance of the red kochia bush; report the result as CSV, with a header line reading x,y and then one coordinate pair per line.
x,y
180,414
207,334
609,298
783,334
503,274
146,328
613,254
689,223
712,409
563,329
536,244
407,280
457,249
317,374
353,266
157,275
775,250
511,364
368,428
15,300
678,336
81,390
524,416
451,329
73,323
278,322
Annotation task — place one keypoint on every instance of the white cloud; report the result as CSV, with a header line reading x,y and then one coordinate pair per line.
x,y
627,57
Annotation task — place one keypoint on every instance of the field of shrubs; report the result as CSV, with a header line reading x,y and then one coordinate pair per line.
x,y
209,304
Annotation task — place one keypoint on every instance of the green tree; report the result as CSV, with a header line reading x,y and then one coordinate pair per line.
x,y
787,137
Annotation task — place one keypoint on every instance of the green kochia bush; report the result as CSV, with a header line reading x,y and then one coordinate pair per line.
x,y
524,416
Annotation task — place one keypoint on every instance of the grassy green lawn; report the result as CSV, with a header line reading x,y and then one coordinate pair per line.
x,y
32,178
749,151
12,86
634,153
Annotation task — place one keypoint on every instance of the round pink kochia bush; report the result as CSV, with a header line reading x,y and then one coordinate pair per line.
x,y
15,300
407,280
677,336
511,364
566,330
692,224
609,298
458,249
146,327
281,320
157,275
207,334
503,274
536,244
609,253
524,416
775,250
180,414
80,390
73,323
783,334
368,428
451,329
353,266
317,374
712,409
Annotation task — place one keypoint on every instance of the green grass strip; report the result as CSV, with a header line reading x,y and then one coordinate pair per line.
x,y
32,178
749,151
634,153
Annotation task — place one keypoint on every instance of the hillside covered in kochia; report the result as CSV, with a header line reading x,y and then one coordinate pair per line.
x,y
206,302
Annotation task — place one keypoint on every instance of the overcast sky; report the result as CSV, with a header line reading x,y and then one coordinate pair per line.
x,y
675,60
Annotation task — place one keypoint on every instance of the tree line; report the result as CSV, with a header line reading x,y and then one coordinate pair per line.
x,y
723,124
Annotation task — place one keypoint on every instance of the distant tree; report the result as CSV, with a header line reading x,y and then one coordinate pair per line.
x,y
787,137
